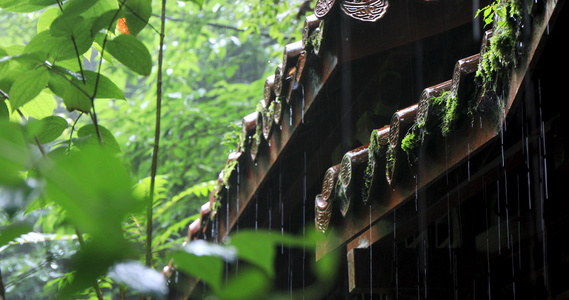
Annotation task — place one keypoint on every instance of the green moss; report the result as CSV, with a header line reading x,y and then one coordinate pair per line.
x,y
228,171
410,141
449,114
389,161
501,53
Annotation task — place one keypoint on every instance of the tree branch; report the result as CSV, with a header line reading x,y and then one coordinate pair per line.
x,y
156,147
216,25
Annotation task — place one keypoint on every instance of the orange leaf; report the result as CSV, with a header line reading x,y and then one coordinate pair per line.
x,y
122,27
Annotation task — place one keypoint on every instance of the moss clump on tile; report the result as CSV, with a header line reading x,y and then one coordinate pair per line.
x,y
390,161
438,113
228,171
411,141
376,153
315,38
501,54
449,114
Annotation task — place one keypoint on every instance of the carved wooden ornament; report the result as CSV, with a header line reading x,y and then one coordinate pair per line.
x,y
368,11
323,7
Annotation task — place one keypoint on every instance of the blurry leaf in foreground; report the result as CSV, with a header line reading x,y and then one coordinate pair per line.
x,y
13,231
139,277
13,152
132,53
205,261
94,187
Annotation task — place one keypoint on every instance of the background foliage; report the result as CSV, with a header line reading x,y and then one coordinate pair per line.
x,y
70,209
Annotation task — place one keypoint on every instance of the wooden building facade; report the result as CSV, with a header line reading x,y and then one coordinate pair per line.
x,y
429,150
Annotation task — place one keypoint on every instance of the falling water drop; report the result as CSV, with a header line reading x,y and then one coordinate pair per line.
x,y
256,212
281,207
370,256
303,217
396,262
502,144
303,108
499,218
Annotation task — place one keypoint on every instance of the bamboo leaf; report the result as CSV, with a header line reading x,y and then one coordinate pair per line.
x,y
132,53
27,87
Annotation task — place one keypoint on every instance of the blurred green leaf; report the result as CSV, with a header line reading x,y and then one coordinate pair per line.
x,y
14,154
204,260
51,128
24,6
47,17
28,86
137,14
77,90
132,53
140,278
89,131
4,112
13,231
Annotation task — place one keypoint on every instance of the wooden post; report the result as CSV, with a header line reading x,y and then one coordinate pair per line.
x,y
375,169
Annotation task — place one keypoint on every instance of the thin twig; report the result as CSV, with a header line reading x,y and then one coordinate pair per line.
x,y
94,114
154,166
216,25
72,130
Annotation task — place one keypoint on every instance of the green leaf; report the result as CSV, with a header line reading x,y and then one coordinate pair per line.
x,y
204,260
3,65
24,6
89,131
76,7
28,86
51,128
132,53
58,47
4,112
40,107
139,278
78,91
138,13
47,17
13,231
107,21
65,25
13,152
197,2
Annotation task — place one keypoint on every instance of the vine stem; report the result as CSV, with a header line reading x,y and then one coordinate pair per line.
x,y
154,165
